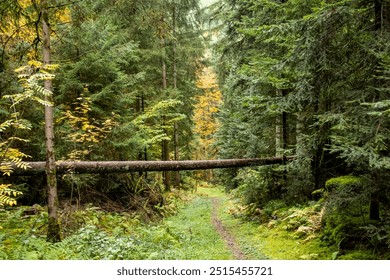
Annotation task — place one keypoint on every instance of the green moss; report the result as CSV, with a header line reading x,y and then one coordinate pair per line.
x,y
54,230
344,181
358,255
277,239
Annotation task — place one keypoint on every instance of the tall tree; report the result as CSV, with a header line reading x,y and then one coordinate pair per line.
x,y
174,66
54,233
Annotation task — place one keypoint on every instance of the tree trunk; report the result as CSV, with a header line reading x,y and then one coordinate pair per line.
x,y
53,232
165,157
278,137
165,143
281,130
142,154
300,143
62,167
374,208
379,25
374,203
284,126
176,142
378,9
176,126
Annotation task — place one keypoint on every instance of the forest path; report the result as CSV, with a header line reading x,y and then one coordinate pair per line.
x,y
201,229
224,233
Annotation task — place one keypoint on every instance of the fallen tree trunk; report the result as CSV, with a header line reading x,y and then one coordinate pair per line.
x,y
136,166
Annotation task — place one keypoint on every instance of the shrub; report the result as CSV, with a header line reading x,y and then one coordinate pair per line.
x,y
347,212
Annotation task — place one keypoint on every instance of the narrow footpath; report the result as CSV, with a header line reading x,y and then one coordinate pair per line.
x,y
225,235
200,231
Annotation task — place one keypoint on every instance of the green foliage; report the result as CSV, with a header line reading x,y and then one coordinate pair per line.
x,y
362,255
254,187
30,77
346,219
292,234
310,78
153,125
108,91
257,190
95,234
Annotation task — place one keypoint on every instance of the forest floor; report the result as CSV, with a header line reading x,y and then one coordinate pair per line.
x,y
249,239
204,226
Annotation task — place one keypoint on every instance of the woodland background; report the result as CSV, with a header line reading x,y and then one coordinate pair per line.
x,y
170,80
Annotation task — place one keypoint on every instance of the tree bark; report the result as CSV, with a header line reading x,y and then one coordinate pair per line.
x,y
374,208
278,137
176,155
176,126
165,157
378,10
136,166
165,143
53,232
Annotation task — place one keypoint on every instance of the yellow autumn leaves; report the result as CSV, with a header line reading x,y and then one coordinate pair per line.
x,y
206,108
6,194
21,29
84,131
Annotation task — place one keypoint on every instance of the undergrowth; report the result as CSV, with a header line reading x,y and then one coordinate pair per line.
x,y
88,233
287,233
183,232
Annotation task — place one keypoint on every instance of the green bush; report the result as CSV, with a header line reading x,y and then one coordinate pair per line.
x,y
256,187
347,199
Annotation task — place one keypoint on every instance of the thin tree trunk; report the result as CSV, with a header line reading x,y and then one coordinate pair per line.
x,y
378,9
174,48
279,133
142,154
176,126
164,66
284,140
165,143
278,137
300,126
165,157
177,156
284,126
374,208
53,231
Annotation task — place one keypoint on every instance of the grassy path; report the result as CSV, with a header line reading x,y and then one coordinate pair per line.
x,y
205,230
239,235
270,240
225,234
204,220
199,239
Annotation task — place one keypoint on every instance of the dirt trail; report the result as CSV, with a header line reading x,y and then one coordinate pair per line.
x,y
225,235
